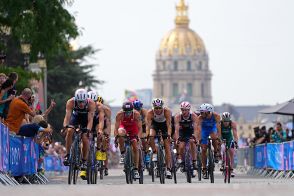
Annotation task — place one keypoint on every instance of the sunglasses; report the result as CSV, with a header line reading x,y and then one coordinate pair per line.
x,y
128,113
185,110
157,108
81,102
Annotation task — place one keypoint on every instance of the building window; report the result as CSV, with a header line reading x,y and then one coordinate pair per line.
x,y
200,65
162,90
175,65
190,89
189,66
202,90
175,89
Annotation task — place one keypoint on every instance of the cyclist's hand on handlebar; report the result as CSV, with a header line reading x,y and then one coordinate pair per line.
x,y
236,144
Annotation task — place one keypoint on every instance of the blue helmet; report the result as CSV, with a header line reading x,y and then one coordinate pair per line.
x,y
137,104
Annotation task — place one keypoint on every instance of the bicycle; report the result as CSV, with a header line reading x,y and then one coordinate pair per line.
x,y
188,166
198,161
174,161
226,163
101,158
75,156
159,166
92,163
128,162
210,162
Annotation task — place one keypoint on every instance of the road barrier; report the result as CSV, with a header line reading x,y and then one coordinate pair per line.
x,y
275,160
19,157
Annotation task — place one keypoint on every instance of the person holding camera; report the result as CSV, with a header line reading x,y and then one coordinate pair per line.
x,y
278,134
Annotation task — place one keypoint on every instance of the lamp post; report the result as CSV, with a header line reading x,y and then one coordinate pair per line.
x,y
43,65
25,50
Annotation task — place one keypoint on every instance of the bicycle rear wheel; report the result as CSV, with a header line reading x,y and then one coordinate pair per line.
x,y
141,167
152,164
174,169
128,166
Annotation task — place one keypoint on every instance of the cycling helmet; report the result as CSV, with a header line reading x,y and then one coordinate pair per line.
x,y
157,102
226,116
127,106
137,104
81,94
92,95
185,105
100,99
206,107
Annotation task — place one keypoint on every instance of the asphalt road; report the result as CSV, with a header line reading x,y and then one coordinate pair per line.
x,y
114,184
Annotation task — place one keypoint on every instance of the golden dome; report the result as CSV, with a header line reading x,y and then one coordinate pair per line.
x,y
181,40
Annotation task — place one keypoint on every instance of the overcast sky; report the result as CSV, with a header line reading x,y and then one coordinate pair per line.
x,y
250,45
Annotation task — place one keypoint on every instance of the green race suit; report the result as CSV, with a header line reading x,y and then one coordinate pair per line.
x,y
227,133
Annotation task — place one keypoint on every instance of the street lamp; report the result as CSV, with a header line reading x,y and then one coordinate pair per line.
x,y
43,65
25,50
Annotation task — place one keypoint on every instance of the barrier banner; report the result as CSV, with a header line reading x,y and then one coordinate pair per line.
x,y
275,156
49,163
16,155
5,148
1,146
260,156
26,156
288,155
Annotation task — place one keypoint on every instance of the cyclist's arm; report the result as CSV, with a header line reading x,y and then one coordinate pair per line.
x,y
101,118
168,121
92,109
149,121
139,123
194,118
198,125
117,122
177,126
218,124
235,134
68,112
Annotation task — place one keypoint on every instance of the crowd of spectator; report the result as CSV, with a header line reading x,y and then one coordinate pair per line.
x,y
276,134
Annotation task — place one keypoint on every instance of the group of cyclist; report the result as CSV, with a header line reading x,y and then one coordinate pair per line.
x,y
141,125
86,110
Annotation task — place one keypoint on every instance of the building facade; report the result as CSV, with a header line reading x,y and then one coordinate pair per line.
x,y
182,64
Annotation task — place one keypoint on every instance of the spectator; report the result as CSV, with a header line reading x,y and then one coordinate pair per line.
x,y
3,78
278,135
288,134
5,87
31,130
14,77
17,110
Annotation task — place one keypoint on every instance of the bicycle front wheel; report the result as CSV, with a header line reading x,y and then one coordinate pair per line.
x,y
211,166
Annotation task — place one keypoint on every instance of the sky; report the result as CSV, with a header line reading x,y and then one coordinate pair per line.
x,y
250,45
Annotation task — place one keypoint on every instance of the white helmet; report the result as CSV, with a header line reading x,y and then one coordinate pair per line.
x,y
81,94
226,116
206,107
93,95
185,105
157,102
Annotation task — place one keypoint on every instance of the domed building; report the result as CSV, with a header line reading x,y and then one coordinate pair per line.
x,y
182,72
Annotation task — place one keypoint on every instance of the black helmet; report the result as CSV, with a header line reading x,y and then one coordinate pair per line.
x,y
127,106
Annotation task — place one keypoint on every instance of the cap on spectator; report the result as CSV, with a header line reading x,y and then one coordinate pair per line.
x,y
256,128
43,124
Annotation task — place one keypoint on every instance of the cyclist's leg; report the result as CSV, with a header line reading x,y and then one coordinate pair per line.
x,y
216,145
135,150
69,137
121,141
144,143
152,142
193,151
181,148
167,152
204,142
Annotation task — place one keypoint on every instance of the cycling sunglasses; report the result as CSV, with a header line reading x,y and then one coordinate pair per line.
x,y
157,108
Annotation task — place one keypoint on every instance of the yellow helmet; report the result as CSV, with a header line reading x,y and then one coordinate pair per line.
x,y
100,99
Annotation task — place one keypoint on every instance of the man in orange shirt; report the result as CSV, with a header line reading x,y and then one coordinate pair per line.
x,y
17,110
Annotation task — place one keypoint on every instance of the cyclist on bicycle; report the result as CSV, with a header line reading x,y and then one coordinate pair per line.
x,y
208,125
228,130
185,130
79,111
138,105
128,122
159,119
106,131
